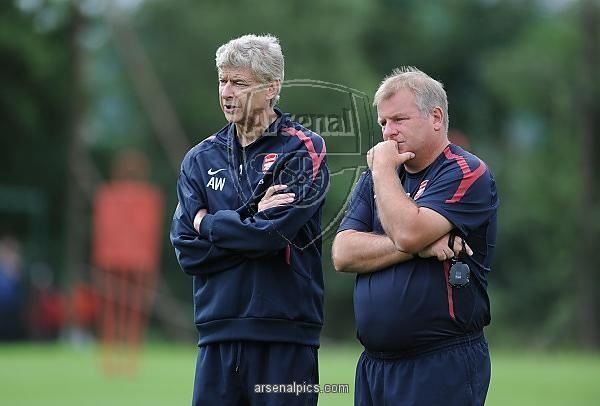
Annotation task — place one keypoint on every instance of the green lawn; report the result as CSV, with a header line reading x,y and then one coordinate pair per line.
x,y
58,375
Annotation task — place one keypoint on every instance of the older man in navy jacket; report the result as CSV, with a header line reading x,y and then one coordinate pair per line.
x,y
247,228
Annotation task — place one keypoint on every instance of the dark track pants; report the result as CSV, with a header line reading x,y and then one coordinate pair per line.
x,y
458,375
231,373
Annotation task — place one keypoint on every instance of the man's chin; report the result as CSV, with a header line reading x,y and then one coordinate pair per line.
x,y
402,147
234,118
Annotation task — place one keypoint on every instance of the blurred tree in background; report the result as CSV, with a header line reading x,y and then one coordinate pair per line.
x,y
35,104
522,86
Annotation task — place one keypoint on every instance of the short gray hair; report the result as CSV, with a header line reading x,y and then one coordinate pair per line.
x,y
428,92
261,54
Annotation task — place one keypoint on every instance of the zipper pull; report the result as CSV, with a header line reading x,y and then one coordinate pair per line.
x,y
241,168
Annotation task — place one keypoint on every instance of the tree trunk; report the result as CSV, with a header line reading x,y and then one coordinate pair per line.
x,y
587,268
76,204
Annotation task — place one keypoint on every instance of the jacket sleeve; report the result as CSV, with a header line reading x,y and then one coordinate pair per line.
x,y
306,174
196,254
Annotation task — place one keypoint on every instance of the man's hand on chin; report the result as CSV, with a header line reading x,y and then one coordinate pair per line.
x,y
385,155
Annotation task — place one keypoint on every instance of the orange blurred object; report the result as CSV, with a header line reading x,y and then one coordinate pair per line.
x,y
457,137
84,305
126,254
46,314
127,226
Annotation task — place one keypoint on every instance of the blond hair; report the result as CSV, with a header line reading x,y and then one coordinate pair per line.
x,y
428,92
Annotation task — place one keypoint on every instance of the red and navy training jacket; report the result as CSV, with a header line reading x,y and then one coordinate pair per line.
x,y
256,275
410,306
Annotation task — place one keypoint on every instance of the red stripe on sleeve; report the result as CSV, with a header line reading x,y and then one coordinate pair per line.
x,y
316,158
469,177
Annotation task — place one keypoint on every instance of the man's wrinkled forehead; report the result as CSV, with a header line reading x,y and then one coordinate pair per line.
x,y
237,74
397,101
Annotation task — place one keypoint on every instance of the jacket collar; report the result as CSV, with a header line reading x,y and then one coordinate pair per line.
x,y
273,130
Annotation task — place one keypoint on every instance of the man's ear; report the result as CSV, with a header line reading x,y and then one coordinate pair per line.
x,y
438,118
273,89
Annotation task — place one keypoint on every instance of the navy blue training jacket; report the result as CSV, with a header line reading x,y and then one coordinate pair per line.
x,y
257,275
410,306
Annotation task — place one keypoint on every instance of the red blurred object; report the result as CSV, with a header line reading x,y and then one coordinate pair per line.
x,y
126,253
127,226
457,137
84,305
46,315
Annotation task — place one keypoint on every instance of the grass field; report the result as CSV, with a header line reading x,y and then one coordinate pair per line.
x,y
59,375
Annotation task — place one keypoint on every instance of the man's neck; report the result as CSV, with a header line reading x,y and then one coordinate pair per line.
x,y
418,164
253,128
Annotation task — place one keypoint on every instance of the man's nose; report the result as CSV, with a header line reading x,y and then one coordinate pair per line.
x,y
227,90
389,131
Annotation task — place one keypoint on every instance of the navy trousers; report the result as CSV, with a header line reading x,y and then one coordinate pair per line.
x,y
458,375
255,373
